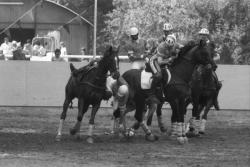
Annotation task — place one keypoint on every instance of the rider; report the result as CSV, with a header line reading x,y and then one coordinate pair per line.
x,y
136,48
205,36
167,51
167,30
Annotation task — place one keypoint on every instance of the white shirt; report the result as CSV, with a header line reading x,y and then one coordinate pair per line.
x,y
6,47
64,52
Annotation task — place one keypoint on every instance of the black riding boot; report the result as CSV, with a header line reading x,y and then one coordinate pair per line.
x,y
218,87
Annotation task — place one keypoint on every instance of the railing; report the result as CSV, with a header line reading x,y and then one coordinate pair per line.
x,y
49,57
122,57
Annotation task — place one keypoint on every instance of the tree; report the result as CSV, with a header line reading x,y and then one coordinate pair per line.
x,y
228,21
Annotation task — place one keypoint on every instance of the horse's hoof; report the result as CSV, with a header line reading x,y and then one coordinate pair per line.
x,y
181,140
90,140
151,137
185,139
172,137
58,138
163,129
192,134
201,132
130,132
72,131
78,137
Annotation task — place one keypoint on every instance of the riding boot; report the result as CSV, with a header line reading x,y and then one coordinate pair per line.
x,y
218,87
216,103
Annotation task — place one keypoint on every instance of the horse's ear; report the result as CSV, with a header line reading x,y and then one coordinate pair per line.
x,y
110,49
202,43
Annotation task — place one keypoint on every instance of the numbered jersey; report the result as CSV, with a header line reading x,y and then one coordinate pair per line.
x,y
166,52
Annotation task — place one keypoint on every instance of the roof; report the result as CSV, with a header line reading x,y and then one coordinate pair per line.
x,y
71,11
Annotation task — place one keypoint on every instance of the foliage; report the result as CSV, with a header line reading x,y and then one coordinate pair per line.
x,y
227,20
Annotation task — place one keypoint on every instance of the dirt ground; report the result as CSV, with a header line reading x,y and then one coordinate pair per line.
x,y
27,138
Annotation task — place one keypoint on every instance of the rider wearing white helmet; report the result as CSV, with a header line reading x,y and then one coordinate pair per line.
x,y
166,52
204,35
136,48
167,30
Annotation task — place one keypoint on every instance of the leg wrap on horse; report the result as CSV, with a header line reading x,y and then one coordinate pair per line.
x,y
203,125
90,131
192,123
196,126
179,129
174,129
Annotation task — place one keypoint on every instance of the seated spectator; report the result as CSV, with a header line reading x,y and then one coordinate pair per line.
x,y
18,53
27,48
57,56
1,54
42,51
63,50
6,48
36,47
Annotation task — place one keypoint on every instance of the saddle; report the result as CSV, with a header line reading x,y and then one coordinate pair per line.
x,y
83,71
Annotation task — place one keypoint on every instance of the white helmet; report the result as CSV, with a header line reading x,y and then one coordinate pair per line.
x,y
170,40
134,31
122,90
204,31
167,27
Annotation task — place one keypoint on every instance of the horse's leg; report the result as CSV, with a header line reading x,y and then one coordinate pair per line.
x,y
140,117
159,118
95,108
81,106
62,118
173,133
182,108
194,121
204,116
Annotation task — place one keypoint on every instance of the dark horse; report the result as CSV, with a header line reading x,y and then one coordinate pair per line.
x,y
203,86
89,90
177,90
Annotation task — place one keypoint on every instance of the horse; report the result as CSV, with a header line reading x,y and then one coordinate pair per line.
x,y
89,90
203,88
177,90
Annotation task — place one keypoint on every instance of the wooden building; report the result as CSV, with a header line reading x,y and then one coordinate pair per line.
x,y
41,17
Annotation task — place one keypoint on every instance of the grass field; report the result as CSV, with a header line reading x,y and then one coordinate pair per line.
x,y
27,138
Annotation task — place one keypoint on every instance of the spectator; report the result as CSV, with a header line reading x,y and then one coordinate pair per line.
x,y
6,47
1,54
36,48
57,56
18,53
42,51
63,50
27,48
83,52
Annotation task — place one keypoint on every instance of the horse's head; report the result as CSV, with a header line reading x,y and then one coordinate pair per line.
x,y
203,54
110,61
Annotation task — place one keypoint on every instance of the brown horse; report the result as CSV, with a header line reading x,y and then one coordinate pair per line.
x,y
89,90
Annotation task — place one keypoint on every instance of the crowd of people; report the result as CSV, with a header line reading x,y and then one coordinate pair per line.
x,y
13,50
